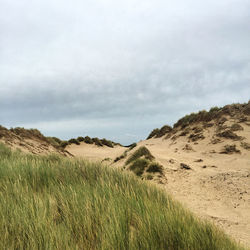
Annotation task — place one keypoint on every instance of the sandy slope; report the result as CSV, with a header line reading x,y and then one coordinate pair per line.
x,y
218,187
95,153
29,141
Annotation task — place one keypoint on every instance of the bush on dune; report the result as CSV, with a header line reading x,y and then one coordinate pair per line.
x,y
140,152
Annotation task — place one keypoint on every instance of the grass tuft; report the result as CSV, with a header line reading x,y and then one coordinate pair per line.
x,y
140,152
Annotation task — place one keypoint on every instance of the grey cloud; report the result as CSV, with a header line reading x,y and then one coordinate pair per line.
x,y
142,63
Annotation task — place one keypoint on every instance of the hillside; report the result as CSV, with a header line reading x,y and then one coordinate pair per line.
x,y
33,141
30,141
50,202
205,160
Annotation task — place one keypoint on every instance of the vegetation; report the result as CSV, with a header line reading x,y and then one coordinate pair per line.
x,y
140,152
64,144
160,132
142,161
141,165
230,149
138,166
75,141
96,141
28,132
57,203
88,140
107,143
80,138
155,167
229,134
132,146
153,133
54,141
125,153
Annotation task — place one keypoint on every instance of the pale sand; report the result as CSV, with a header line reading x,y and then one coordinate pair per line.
x,y
95,153
221,191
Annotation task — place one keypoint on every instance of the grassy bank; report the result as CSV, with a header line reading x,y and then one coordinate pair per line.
x,y
55,203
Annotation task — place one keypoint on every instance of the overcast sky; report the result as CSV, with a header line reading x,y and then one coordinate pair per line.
x,y
119,68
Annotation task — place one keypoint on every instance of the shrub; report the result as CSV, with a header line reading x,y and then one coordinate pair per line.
x,y
97,141
229,135
153,133
140,152
88,140
155,167
107,143
71,141
149,177
138,166
54,141
157,133
236,127
245,145
163,131
80,139
118,158
133,145
63,144
230,149
214,109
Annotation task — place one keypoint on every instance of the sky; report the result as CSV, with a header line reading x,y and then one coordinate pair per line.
x,y
119,68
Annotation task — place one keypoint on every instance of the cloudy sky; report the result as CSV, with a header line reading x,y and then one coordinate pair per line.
x,y
119,68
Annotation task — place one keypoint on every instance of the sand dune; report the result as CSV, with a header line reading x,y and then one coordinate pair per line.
x,y
216,183
217,187
94,152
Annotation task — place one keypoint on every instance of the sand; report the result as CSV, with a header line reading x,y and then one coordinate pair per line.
x,y
95,153
216,188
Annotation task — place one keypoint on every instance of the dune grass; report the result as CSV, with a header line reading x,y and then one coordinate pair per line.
x,y
56,203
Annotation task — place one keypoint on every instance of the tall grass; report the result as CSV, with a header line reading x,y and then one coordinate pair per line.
x,y
55,203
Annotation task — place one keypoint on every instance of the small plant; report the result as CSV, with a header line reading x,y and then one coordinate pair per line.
x,y
80,139
157,133
97,141
149,177
214,109
54,141
74,141
155,167
236,127
133,145
138,166
107,143
118,158
163,131
64,144
140,152
245,145
229,134
88,140
153,133
230,149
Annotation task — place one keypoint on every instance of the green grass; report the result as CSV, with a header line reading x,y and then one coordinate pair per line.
x,y
56,203
140,152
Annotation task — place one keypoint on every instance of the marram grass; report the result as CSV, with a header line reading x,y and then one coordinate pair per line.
x,y
56,203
